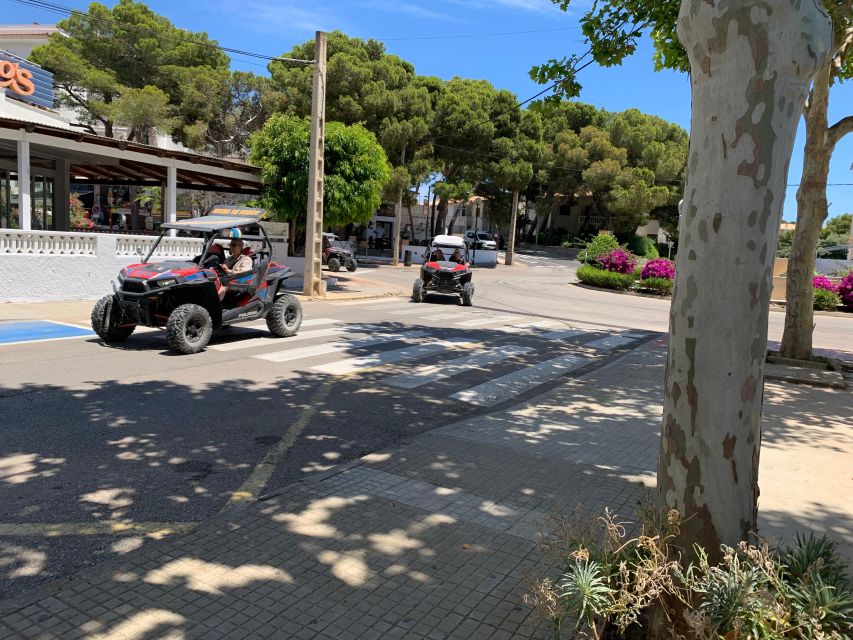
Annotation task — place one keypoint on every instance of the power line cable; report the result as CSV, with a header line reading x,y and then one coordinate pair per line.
x,y
58,8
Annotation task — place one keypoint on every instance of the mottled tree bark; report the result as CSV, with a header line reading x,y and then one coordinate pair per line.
x,y
812,209
751,64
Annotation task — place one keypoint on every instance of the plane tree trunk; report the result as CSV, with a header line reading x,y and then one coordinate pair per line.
x,y
751,65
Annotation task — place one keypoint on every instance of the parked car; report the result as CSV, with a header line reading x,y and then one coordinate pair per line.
x,y
336,253
440,273
480,240
183,295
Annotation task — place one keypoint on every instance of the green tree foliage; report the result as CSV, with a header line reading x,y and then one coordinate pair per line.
x,y
368,86
104,54
840,225
355,165
628,163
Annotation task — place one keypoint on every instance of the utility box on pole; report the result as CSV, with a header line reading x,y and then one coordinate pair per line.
x,y
313,284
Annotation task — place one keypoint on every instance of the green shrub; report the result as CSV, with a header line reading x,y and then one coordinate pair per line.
x,y
825,300
643,247
610,581
605,279
662,286
602,243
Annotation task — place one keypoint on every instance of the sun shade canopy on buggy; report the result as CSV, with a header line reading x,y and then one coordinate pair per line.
x,y
219,218
448,241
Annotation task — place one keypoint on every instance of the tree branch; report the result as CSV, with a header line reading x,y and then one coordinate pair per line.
x,y
840,129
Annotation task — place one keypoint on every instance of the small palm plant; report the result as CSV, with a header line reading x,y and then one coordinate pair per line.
x,y
152,198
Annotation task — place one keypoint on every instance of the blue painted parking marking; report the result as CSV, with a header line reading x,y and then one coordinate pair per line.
x,y
19,332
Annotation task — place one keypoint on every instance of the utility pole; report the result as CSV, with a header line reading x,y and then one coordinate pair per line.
x,y
513,216
313,283
398,217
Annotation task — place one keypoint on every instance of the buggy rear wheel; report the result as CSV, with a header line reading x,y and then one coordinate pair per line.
x,y
189,328
285,316
334,264
106,316
418,291
468,294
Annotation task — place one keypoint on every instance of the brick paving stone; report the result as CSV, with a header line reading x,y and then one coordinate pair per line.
x,y
428,540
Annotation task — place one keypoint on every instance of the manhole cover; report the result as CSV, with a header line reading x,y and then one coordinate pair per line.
x,y
266,440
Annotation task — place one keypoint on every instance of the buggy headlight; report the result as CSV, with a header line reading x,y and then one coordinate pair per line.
x,y
165,282
121,277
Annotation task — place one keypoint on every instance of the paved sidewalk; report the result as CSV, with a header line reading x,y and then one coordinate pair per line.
x,y
432,539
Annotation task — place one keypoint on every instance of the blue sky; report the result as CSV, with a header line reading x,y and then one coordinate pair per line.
x,y
451,37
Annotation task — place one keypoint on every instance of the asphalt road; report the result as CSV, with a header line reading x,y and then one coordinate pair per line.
x,y
106,446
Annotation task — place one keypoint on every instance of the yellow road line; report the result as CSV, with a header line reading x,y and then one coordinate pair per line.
x,y
262,473
103,528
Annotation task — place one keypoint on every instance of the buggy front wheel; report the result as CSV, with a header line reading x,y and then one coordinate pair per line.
x,y
285,316
418,291
106,317
189,329
468,294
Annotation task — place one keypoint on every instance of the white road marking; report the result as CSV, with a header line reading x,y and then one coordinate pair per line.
x,y
510,385
476,322
610,342
351,365
352,303
267,340
336,347
521,328
431,373
562,334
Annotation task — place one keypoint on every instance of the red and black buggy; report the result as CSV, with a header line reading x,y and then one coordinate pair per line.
x,y
445,270
183,296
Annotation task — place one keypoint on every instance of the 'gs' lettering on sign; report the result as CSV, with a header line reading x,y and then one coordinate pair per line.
x,y
15,78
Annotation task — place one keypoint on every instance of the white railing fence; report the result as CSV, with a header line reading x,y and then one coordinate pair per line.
x,y
139,246
55,243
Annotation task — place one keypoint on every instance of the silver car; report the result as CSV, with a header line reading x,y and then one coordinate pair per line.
x,y
480,240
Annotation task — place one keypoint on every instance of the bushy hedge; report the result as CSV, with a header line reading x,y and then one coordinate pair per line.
x,y
644,247
599,245
662,286
605,279
822,282
826,300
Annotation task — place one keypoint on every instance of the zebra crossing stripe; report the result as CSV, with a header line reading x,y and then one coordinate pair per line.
x,y
541,324
267,340
610,342
563,334
351,365
336,347
476,322
432,373
353,303
313,322
510,385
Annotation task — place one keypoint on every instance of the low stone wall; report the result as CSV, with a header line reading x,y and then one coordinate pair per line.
x,y
38,266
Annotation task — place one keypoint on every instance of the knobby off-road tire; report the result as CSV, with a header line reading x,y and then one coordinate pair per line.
x,y
418,291
352,265
468,294
189,329
334,264
106,328
285,316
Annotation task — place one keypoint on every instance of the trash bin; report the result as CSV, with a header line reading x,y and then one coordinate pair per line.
x,y
407,258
